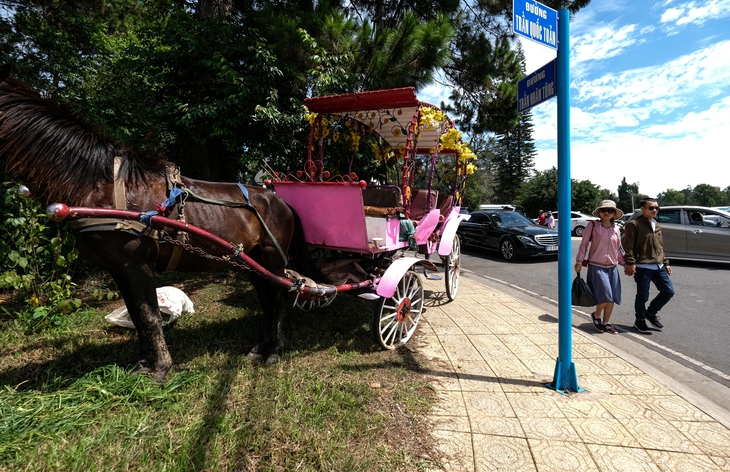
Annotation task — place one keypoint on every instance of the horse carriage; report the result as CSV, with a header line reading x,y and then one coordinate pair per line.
x,y
365,236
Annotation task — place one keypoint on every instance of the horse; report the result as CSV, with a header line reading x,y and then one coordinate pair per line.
x,y
61,157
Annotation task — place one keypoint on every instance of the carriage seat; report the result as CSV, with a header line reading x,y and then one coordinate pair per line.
x,y
382,201
444,204
418,204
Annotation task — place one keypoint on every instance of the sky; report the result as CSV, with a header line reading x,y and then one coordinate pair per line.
x,y
649,95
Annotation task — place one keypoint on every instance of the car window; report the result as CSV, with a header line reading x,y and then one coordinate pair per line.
x,y
478,218
510,218
669,216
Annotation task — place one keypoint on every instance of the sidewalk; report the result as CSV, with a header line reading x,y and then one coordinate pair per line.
x,y
492,356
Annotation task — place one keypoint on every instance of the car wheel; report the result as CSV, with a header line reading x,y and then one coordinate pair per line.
x,y
579,231
508,250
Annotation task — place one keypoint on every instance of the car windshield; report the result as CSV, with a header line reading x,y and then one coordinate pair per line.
x,y
509,218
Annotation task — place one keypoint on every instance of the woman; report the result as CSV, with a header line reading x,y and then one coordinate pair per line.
x,y
604,239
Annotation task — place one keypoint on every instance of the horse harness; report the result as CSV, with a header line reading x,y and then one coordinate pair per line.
x,y
177,193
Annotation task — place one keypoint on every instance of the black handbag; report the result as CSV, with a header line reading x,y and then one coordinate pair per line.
x,y
582,294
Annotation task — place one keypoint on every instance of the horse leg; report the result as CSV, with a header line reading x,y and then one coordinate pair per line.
x,y
140,295
278,307
271,299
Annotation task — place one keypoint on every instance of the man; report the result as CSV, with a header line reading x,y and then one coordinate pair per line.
x,y
646,262
541,218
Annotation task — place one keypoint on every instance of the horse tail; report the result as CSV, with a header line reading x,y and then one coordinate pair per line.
x,y
299,252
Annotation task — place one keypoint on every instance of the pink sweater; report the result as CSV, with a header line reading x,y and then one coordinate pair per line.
x,y
605,245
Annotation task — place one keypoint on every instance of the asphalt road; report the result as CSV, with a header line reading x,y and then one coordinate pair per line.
x,y
696,332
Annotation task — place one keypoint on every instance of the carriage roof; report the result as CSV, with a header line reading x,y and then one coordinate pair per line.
x,y
394,109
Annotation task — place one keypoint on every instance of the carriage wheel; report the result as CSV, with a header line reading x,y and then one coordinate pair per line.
x,y
396,317
452,267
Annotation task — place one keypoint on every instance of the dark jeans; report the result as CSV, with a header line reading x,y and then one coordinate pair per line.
x,y
644,278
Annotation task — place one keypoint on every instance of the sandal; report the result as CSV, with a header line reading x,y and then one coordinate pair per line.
x,y
597,322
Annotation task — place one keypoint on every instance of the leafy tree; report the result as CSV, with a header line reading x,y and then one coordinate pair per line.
x,y
512,165
707,195
671,197
541,193
628,196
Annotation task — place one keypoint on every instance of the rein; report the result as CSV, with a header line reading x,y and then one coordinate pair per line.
x,y
215,201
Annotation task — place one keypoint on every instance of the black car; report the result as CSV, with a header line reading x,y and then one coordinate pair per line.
x,y
508,232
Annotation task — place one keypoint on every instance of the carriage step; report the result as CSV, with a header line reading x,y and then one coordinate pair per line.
x,y
369,296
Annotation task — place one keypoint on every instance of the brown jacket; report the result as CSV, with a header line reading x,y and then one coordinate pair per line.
x,y
641,245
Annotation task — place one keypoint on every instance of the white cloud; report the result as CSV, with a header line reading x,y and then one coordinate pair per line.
x,y
603,42
696,13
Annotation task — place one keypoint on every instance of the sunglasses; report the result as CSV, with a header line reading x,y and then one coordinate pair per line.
x,y
652,208
607,210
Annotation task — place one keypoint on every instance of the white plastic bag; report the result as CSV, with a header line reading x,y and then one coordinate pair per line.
x,y
172,301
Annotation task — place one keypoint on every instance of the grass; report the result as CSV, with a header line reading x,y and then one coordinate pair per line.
x,y
335,402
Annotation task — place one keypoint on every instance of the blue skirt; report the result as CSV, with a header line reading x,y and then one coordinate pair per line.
x,y
605,283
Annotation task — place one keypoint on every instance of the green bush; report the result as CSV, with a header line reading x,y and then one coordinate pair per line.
x,y
37,260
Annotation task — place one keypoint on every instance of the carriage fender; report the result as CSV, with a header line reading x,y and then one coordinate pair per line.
x,y
449,233
396,271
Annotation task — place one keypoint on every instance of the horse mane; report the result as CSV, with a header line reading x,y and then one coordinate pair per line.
x,y
57,152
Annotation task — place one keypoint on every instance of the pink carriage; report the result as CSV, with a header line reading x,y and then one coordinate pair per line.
x,y
368,223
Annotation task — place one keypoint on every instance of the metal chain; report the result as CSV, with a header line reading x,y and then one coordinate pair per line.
x,y
199,252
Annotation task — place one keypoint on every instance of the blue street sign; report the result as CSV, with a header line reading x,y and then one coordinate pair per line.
x,y
537,87
535,21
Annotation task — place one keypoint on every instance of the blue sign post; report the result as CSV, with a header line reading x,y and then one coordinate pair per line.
x,y
564,377
537,87
535,21
539,23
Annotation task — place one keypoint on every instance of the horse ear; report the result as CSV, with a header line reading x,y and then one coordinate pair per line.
x,y
4,72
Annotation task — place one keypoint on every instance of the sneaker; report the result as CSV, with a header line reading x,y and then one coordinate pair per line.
x,y
610,329
641,326
654,320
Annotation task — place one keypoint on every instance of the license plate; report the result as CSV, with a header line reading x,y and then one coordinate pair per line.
x,y
551,248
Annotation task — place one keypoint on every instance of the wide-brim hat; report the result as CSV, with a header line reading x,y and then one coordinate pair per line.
x,y
609,204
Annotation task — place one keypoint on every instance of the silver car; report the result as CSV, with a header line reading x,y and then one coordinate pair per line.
x,y
694,233
578,222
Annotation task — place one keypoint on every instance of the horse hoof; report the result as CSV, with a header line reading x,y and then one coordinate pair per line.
x,y
254,356
141,368
273,359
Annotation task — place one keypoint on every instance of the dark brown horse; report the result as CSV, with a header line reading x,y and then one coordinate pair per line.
x,y
61,158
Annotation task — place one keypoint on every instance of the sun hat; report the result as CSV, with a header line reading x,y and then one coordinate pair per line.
x,y
609,204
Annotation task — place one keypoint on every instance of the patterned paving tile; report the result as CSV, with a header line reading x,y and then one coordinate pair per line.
x,y
532,405
450,403
556,456
496,453
622,459
451,423
606,431
673,408
677,462
488,405
659,434
626,406
584,405
643,384
555,429
455,451
603,383
496,426
722,462
616,366
712,438
533,383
